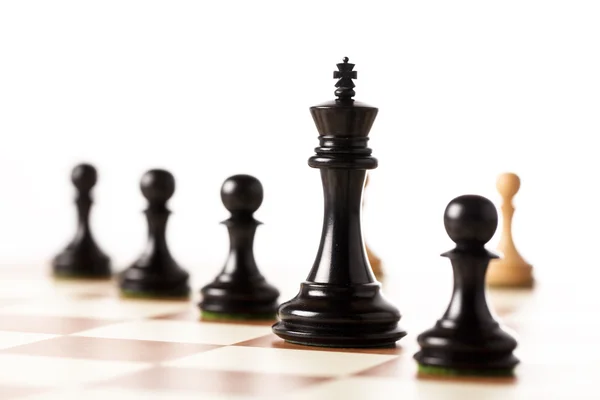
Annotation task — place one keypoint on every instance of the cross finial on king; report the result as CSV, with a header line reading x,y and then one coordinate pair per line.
x,y
345,84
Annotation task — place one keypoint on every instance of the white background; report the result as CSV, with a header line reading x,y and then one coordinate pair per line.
x,y
466,90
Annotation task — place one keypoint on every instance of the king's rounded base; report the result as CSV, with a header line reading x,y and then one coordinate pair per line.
x,y
306,336
326,315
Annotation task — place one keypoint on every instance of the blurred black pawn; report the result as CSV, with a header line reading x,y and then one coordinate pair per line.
x,y
156,274
240,291
82,258
467,340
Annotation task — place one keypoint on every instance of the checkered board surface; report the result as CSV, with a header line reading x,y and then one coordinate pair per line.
x,y
70,340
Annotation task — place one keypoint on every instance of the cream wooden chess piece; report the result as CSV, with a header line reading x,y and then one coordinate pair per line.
x,y
373,259
511,270
375,263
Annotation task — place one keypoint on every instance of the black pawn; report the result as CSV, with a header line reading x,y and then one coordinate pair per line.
x,y
341,304
240,291
467,340
156,273
82,258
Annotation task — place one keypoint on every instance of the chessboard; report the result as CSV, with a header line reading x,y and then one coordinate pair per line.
x,y
62,339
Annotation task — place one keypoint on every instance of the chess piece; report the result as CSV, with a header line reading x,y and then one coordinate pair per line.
x,y
156,273
340,304
512,270
82,258
467,340
240,291
374,261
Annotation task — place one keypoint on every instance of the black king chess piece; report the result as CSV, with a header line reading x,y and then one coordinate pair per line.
x,y
82,258
340,304
240,291
156,274
467,340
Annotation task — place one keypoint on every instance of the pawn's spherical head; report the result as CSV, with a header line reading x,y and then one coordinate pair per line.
x,y
242,193
84,177
157,185
508,184
471,219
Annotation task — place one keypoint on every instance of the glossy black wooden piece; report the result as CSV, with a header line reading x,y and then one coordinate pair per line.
x,y
82,257
240,289
156,273
467,337
340,304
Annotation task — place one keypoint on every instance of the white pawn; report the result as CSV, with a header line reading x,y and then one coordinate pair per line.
x,y
511,270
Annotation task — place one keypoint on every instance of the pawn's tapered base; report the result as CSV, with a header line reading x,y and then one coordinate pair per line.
x,y
219,316
80,263
180,294
141,282
339,316
488,351
227,298
504,273
426,370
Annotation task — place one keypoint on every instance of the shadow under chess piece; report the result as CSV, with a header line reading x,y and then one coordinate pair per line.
x,y
82,258
376,263
467,341
341,304
240,291
156,274
512,270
